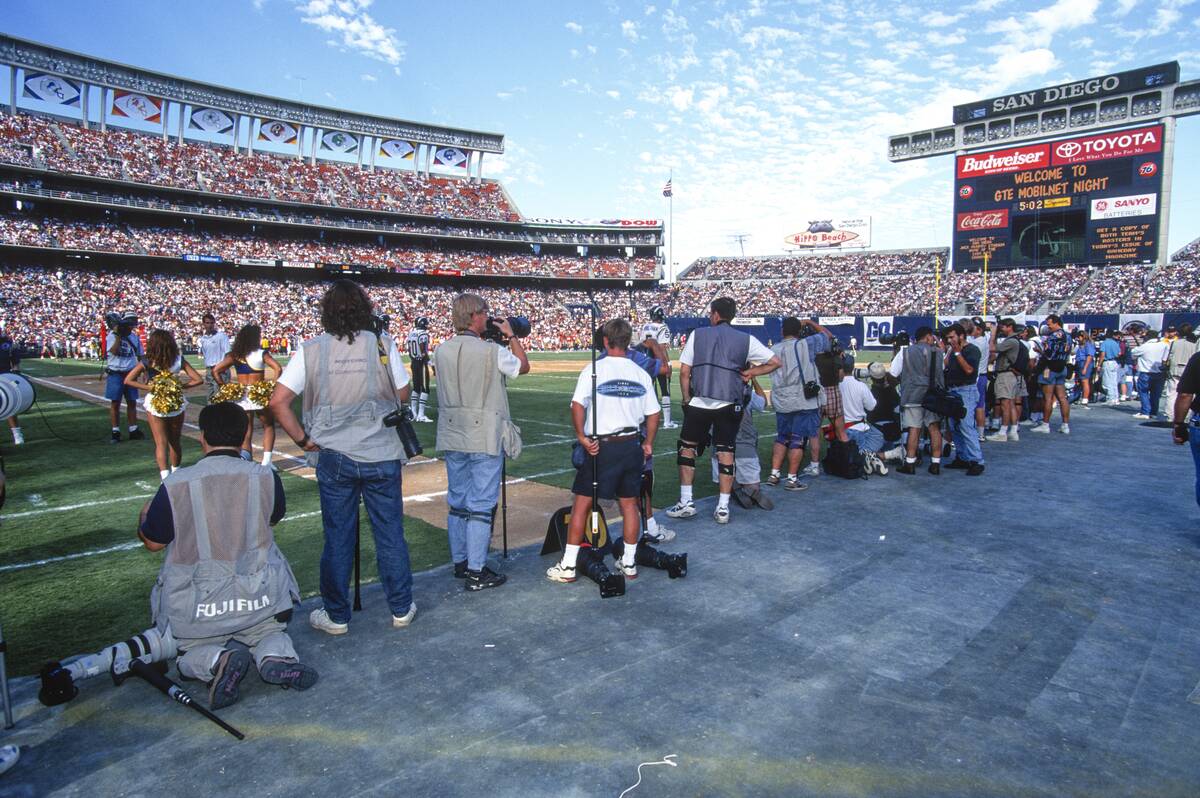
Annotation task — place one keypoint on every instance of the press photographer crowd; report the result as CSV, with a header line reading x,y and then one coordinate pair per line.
x,y
225,592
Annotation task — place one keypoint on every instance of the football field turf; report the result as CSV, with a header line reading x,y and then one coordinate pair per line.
x,y
74,575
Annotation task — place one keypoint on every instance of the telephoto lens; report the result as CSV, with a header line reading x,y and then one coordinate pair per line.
x,y
646,555
591,564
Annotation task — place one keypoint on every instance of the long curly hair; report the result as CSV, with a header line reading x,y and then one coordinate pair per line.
x,y
248,339
161,350
345,310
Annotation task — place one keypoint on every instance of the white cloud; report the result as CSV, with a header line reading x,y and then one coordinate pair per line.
x,y
366,77
629,29
649,10
681,98
1124,7
938,19
574,27
358,30
613,93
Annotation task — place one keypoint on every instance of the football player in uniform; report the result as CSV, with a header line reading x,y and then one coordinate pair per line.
x,y
656,330
418,354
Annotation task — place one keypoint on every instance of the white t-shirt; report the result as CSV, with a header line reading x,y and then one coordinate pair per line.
x,y
214,348
897,366
757,355
857,401
294,372
983,344
624,395
660,332
1150,356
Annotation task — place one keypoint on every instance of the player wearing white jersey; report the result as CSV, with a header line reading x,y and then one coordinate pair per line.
x,y
656,330
418,355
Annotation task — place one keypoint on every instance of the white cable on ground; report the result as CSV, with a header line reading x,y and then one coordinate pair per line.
x,y
666,760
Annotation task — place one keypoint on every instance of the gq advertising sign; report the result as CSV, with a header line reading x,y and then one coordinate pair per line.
x,y
1093,199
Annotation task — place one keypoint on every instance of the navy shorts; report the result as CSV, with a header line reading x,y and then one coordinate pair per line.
x,y
1048,377
115,389
620,471
792,428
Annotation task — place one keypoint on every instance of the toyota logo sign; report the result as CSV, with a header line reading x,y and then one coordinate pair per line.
x,y
1068,149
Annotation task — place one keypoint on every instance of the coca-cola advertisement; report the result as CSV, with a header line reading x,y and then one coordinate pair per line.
x,y
983,220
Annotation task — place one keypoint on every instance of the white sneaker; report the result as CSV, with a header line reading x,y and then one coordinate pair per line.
x,y
1140,415
1040,428
794,484
663,535
671,425
998,437
894,454
9,754
320,620
1083,402
721,515
1065,429
401,621
682,510
1014,436
628,571
18,437
982,437
560,573
1029,422
811,470
876,465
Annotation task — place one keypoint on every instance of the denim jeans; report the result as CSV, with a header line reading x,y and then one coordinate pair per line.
x,y
868,440
340,483
966,434
1150,388
1109,374
1195,443
473,482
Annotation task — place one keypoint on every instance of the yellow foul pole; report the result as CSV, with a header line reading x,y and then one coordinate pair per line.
x,y
986,257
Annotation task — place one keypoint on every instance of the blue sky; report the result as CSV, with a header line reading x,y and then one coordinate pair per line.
x,y
769,113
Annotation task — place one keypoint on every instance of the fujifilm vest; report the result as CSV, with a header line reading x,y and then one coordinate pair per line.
x,y
718,356
472,400
223,572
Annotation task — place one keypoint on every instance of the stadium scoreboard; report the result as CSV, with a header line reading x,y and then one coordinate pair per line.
x,y
1093,199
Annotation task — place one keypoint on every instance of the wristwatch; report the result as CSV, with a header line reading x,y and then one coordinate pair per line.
x,y
303,441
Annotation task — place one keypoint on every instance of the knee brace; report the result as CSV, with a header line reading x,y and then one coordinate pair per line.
x,y
680,458
482,517
726,448
459,512
725,469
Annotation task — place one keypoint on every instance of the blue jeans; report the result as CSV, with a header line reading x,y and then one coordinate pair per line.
x,y
1150,388
1109,373
473,482
966,434
868,440
340,482
1195,442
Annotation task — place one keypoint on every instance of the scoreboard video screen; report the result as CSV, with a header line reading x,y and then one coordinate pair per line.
x,y
1087,200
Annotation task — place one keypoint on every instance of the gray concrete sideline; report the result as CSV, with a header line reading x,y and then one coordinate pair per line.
x,y
1030,632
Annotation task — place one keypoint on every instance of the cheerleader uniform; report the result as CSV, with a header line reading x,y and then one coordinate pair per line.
x,y
176,369
253,364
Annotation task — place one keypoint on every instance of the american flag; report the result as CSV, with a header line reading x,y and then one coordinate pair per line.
x,y
667,192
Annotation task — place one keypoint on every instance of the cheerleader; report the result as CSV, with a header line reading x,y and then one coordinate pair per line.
x,y
161,365
251,362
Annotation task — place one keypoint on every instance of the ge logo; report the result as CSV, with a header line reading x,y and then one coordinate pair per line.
x,y
1147,169
878,328
1069,149
1101,205
966,191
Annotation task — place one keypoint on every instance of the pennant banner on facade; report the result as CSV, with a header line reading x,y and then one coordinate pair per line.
x,y
450,156
277,131
337,141
395,148
135,105
210,120
52,89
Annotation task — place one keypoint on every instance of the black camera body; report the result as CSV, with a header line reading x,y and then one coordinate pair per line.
x,y
401,421
897,339
519,324
380,322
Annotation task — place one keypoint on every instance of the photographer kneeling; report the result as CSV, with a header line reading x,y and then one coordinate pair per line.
x,y
224,579
353,383
474,430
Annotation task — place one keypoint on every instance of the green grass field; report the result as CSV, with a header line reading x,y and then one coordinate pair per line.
x,y
74,577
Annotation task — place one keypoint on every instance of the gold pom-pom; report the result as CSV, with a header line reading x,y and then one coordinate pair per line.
x,y
166,394
260,392
229,392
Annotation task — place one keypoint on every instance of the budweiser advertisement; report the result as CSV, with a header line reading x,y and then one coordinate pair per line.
x,y
1091,200
841,233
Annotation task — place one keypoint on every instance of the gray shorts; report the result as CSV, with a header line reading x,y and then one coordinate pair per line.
x,y
1010,386
917,416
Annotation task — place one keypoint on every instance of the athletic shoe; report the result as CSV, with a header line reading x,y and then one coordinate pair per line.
x,y
425,419
875,464
773,480
1140,415
907,468
896,454
663,535
460,570
763,500
18,437
137,435
401,621
671,425
975,470
483,579
560,573
9,754
935,468
320,620
959,464
116,437
1043,428
288,675
1014,436
794,484
982,437
682,510
811,470
721,515
744,500
628,571
999,437
232,667
1065,429
1029,422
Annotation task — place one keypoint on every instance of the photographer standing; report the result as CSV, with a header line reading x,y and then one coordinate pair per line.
x,y
352,380
123,349
919,368
797,398
473,426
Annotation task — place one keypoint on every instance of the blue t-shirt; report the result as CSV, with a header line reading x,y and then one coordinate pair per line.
x,y
1111,349
1083,351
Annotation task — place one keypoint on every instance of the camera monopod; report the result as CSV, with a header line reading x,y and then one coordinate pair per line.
x,y
177,693
357,558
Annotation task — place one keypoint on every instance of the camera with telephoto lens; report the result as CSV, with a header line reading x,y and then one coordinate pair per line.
x,y
380,322
401,419
900,338
519,324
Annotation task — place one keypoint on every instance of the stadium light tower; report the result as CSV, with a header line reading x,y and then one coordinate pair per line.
x,y
741,239
1076,173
